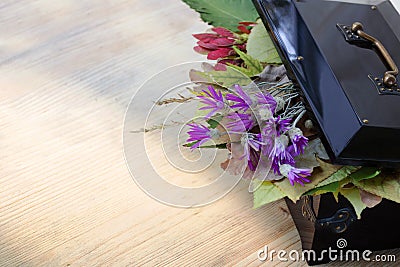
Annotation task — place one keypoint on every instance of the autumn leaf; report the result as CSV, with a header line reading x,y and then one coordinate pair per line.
x,y
260,45
386,185
224,13
354,197
253,65
266,193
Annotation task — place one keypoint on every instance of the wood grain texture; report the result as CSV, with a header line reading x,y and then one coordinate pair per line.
x,y
68,71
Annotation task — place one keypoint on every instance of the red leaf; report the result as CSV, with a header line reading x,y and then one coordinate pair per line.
x,y
242,47
243,29
220,67
201,50
248,23
223,32
230,61
207,45
223,42
220,53
205,37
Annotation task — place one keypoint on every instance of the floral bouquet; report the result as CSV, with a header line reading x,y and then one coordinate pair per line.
x,y
249,106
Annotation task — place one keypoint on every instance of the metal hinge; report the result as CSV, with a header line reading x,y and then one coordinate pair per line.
x,y
338,223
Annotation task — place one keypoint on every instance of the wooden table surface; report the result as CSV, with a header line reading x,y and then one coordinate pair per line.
x,y
68,71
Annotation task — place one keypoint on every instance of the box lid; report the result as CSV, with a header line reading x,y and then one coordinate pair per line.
x,y
340,71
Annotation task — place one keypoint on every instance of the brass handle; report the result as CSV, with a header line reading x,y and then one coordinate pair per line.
x,y
389,78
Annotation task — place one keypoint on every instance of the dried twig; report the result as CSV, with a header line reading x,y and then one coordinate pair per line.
x,y
182,99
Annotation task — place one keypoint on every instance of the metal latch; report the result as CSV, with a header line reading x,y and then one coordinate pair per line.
x,y
338,223
355,35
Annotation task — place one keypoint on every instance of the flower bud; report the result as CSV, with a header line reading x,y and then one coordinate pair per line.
x,y
280,103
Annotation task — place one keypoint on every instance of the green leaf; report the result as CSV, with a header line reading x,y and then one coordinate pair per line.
x,y
197,76
213,122
341,174
329,188
345,175
241,69
260,45
353,195
224,13
253,65
221,79
361,174
266,193
386,185
365,173
219,146
190,144
229,77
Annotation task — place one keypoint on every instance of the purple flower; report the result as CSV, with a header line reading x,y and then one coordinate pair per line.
x,y
295,175
279,148
276,126
275,165
282,125
267,99
254,158
254,141
252,145
212,100
243,101
278,152
199,134
299,141
240,122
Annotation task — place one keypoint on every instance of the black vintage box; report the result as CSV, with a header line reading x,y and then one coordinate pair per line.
x,y
339,54
348,78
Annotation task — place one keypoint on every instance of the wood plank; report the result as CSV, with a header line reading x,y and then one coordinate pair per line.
x,y
68,71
